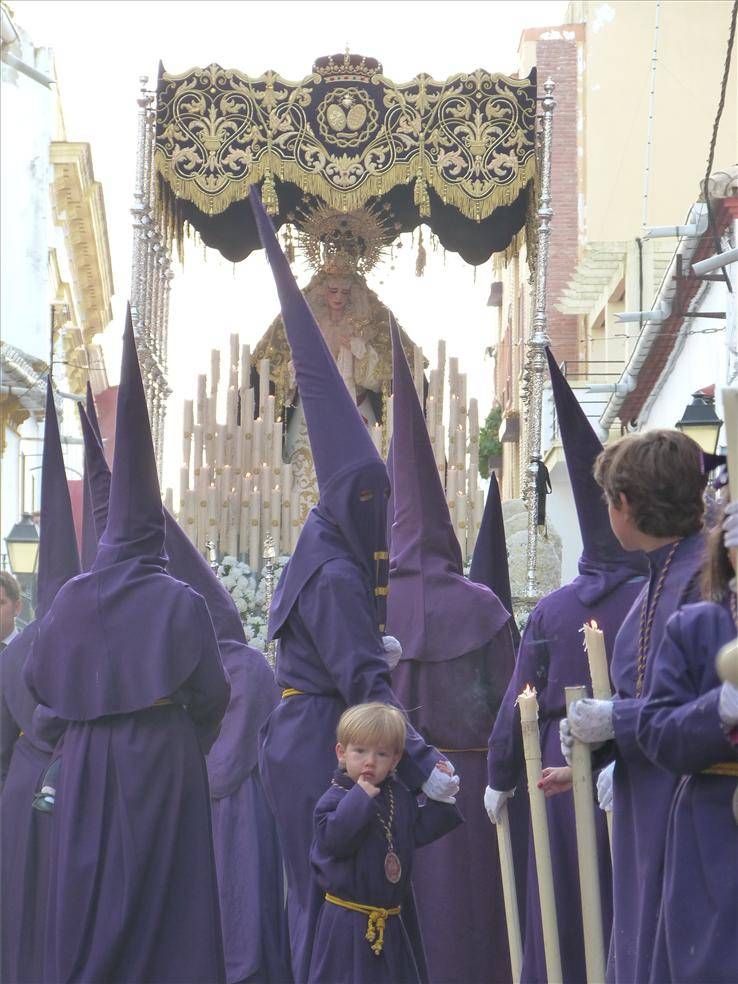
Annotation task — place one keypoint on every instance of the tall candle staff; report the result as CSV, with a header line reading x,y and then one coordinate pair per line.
x,y
589,874
528,705
594,644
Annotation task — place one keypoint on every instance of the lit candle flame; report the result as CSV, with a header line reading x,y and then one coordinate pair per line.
x,y
593,625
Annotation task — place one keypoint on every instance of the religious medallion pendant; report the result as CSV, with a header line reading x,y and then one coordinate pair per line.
x,y
392,867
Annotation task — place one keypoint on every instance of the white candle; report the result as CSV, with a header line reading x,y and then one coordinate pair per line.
x,y
594,643
276,515
528,706
589,876
199,440
461,521
263,385
418,371
232,406
254,522
245,367
214,371
294,518
184,484
188,520
257,445
277,449
244,527
202,398
188,418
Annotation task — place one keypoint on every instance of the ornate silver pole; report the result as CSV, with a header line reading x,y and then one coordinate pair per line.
x,y
140,212
538,340
269,555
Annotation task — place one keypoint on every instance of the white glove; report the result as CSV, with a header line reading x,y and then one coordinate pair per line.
x,y
730,525
494,800
440,787
604,787
728,704
590,720
392,651
566,738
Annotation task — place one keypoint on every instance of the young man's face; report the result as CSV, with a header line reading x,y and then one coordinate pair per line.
x,y
8,611
372,762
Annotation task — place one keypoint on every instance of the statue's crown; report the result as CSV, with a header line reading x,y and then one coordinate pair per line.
x,y
347,68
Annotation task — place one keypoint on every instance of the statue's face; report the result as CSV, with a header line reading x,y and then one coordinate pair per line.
x,y
337,292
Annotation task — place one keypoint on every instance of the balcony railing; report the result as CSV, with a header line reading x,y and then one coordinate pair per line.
x,y
592,370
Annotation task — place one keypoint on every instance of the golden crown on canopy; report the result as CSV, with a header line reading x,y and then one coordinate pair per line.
x,y
343,243
347,68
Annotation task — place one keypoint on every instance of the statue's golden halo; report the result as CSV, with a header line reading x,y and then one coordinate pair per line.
x,y
344,243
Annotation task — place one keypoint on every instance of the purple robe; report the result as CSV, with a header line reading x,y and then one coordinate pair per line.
x,y
247,854
680,730
642,791
453,706
24,832
329,648
347,856
552,657
131,837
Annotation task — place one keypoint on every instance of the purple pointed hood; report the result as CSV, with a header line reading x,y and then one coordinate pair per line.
x,y
254,692
98,474
602,556
489,561
126,634
58,559
90,535
435,612
350,518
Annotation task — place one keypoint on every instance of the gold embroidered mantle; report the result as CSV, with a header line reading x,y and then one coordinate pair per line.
x,y
346,134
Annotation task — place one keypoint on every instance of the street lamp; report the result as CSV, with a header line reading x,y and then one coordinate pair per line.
x,y
700,422
22,544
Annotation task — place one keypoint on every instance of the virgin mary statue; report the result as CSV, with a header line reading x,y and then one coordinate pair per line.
x,y
354,323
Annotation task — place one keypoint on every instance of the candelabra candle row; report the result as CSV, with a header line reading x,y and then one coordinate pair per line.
x,y
235,487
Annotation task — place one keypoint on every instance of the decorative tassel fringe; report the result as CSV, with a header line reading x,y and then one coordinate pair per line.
x,y
421,198
269,195
421,257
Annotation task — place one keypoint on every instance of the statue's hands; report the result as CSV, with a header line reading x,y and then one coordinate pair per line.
x,y
357,347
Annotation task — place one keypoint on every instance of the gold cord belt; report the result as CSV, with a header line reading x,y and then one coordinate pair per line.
x,y
162,702
722,769
291,692
376,922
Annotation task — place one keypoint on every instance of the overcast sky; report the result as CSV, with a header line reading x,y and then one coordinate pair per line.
x,y
101,49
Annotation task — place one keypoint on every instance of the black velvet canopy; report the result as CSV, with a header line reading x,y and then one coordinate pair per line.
x,y
457,155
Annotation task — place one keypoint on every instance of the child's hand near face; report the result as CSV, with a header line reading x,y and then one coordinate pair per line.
x,y
368,788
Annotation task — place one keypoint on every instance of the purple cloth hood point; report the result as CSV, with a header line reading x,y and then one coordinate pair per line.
x,y
435,612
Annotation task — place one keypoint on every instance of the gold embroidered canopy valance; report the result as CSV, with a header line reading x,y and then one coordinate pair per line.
x,y
458,155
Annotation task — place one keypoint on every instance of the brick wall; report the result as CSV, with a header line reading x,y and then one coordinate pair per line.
x,y
556,58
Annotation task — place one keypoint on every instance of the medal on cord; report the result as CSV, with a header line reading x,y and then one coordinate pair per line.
x,y
392,866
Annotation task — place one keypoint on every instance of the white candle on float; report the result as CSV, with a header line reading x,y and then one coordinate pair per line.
x,y
198,446
528,706
244,526
224,519
478,511
214,371
276,514
209,435
245,368
187,520
589,876
461,521
247,411
376,435
234,352
213,508
232,406
265,483
390,421
184,484
286,507
186,448
277,449
441,367
440,450
294,518
254,523
169,500
451,494
202,399
418,371
220,448
202,511
430,412
263,385
257,446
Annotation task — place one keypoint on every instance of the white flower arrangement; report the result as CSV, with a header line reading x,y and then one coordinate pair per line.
x,y
249,592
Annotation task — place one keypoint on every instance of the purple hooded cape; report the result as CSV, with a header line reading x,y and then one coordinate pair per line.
x,y
642,791
347,855
328,607
489,561
552,657
128,657
251,903
679,728
456,662
27,747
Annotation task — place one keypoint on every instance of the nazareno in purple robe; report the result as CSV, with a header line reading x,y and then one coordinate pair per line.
x,y
128,657
28,738
551,657
456,663
642,791
328,607
680,730
251,891
347,856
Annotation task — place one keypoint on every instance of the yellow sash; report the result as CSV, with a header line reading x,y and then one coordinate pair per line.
x,y
376,922
722,769
291,692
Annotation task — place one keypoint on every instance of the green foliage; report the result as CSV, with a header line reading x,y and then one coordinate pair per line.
x,y
489,440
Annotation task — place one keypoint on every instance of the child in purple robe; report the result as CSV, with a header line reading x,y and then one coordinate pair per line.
x,y
654,487
689,727
367,826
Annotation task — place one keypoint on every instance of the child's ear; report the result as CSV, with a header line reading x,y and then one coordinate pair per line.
x,y
341,755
